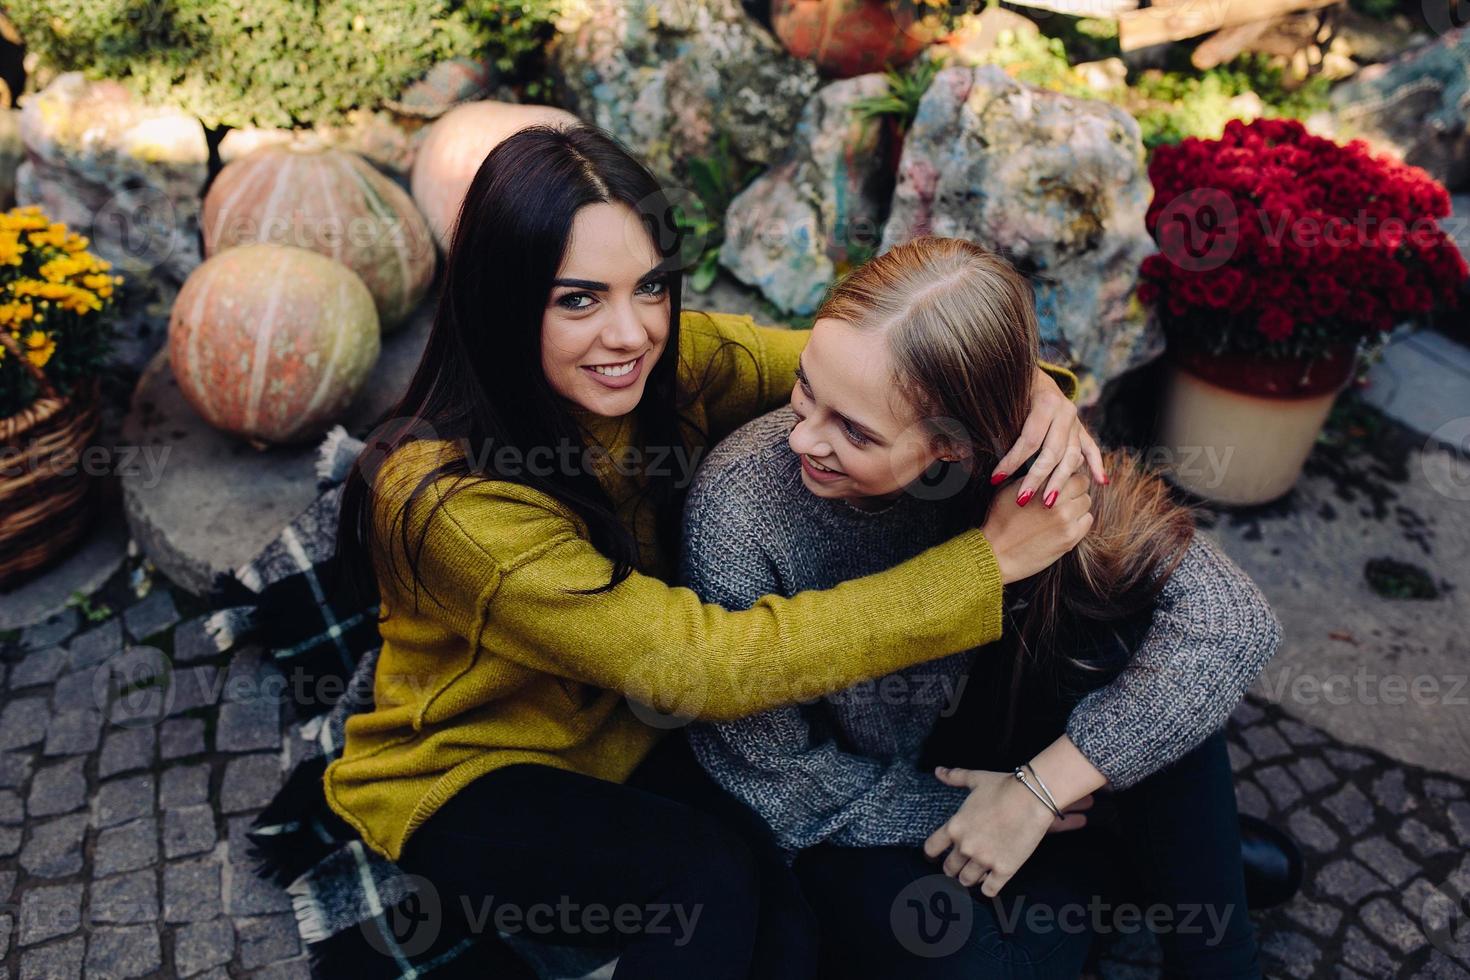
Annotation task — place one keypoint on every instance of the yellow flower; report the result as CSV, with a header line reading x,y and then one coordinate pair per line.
x,y
39,347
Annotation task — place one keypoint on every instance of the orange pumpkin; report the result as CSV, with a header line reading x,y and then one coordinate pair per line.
x,y
854,37
456,144
272,342
332,202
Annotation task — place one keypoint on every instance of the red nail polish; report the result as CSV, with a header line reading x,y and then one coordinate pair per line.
x,y
998,478
1051,498
1024,497
1105,480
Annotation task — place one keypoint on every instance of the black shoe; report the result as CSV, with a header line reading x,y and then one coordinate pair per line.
x,y
1273,863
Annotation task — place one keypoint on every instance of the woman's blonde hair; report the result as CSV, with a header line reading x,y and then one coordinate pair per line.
x,y
963,340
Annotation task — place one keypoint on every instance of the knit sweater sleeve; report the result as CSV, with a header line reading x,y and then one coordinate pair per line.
x,y
808,789
1212,634
513,570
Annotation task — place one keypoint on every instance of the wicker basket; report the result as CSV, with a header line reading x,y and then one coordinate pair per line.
x,y
46,496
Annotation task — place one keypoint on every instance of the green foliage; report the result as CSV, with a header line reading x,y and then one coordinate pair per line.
x,y
273,62
92,613
905,90
716,179
1169,104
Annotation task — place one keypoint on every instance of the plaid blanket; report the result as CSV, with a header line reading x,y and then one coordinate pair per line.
x,y
358,914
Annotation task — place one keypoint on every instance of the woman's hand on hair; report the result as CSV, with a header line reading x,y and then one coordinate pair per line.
x,y
1026,540
1055,428
996,829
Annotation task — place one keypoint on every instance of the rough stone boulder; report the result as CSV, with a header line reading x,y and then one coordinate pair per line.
x,y
666,77
128,176
1417,106
1056,182
818,210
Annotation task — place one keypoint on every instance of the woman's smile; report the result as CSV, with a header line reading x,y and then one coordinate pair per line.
x,y
818,472
618,374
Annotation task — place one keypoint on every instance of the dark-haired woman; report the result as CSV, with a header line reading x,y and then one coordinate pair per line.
x,y
520,522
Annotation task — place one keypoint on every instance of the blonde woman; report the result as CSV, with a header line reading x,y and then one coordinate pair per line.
x,y
1118,662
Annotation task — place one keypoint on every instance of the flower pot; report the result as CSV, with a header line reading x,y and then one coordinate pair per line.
x,y
1237,429
47,497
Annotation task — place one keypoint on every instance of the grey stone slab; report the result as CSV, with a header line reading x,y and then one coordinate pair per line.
x,y
248,726
194,687
50,631
96,558
73,732
1360,952
123,953
246,892
15,769
201,945
126,847
1422,839
250,782
9,841
7,886
80,690
58,961
180,737
1422,381
125,899
192,642
23,722
1297,954
54,849
125,798
1350,806
1385,860
7,928
48,911
184,785
1249,799
1390,793
96,645
215,507
126,749
191,890
299,969
1277,782
58,788
12,810
1265,743
1314,916
1313,774
266,939
1390,925
188,830
152,615
1348,880
38,667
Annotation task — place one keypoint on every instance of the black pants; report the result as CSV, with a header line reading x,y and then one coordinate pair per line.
x,y
1162,855
682,878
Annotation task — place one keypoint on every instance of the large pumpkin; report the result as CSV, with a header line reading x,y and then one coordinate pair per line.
x,y
456,144
847,38
271,342
332,202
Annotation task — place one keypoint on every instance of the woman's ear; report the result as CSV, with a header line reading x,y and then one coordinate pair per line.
x,y
951,451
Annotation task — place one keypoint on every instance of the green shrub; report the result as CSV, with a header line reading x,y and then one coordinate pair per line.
x,y
274,62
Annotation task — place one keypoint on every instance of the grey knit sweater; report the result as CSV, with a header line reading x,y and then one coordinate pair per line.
x,y
842,768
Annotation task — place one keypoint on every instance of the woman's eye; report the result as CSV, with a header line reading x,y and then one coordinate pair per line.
x,y
656,287
853,435
570,301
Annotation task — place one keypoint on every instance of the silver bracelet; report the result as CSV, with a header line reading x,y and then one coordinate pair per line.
x,y
1021,778
1036,776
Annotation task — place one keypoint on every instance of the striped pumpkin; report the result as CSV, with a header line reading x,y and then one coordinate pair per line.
x,y
455,146
332,202
271,342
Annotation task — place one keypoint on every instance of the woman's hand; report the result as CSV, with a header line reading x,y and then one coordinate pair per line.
x,y
1056,429
996,829
1027,539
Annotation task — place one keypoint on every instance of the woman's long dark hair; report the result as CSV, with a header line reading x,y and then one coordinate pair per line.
x,y
480,383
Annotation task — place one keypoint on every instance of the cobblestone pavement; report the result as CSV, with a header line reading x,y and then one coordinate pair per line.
x,y
132,759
